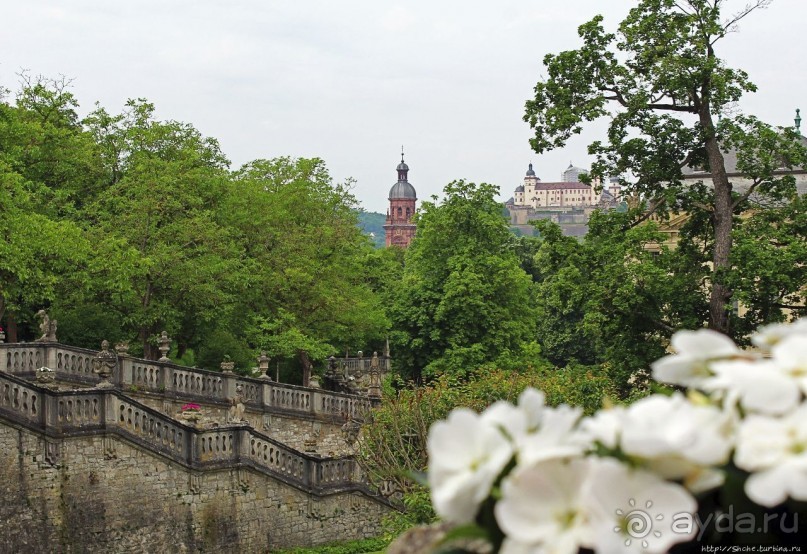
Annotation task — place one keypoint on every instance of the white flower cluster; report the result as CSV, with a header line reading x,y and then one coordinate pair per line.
x,y
561,481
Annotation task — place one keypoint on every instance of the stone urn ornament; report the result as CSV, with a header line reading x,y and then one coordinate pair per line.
x,y
263,365
227,366
191,413
122,348
165,346
45,375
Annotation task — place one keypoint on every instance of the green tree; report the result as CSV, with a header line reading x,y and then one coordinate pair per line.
x,y
769,275
675,101
45,159
464,301
306,280
608,300
162,261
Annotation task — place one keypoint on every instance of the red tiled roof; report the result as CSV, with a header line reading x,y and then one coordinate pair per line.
x,y
561,186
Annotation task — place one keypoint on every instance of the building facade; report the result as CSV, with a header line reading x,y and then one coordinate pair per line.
x,y
399,228
570,192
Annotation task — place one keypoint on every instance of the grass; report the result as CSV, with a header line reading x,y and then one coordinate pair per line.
x,y
363,546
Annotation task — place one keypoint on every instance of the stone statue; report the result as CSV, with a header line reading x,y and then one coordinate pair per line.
x,y
350,431
237,405
104,365
47,326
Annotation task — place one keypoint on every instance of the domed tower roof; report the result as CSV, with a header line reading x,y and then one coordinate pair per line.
x,y
530,172
403,189
520,188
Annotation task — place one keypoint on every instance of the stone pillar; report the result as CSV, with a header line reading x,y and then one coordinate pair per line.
x,y
49,354
124,374
374,388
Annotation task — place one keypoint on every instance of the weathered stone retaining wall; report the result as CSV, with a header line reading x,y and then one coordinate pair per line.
x,y
104,494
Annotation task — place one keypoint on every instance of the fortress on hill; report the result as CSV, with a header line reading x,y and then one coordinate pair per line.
x,y
568,202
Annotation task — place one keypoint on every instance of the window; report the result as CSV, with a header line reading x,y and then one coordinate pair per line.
x,y
400,212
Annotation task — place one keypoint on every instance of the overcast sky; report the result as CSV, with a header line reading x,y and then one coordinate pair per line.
x,y
351,81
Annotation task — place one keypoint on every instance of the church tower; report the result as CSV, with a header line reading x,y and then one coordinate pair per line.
x,y
399,229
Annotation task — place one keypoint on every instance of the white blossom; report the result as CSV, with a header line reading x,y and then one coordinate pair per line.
x,y
758,386
768,336
790,355
556,437
543,508
669,435
774,450
632,510
466,454
518,421
605,426
695,351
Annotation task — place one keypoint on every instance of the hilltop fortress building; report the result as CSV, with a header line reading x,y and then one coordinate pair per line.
x,y
568,202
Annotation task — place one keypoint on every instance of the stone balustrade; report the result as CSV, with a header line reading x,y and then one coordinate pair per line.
x,y
362,365
74,364
81,412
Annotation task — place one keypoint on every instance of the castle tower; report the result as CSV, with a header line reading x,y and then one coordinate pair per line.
x,y
399,229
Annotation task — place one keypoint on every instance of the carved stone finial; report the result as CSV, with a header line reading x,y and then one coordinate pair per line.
x,y
104,365
122,348
47,326
227,366
165,346
263,365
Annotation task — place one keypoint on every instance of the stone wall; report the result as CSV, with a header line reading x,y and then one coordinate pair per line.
x,y
103,494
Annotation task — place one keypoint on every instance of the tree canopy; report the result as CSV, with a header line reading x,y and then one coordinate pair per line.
x,y
464,300
124,225
671,103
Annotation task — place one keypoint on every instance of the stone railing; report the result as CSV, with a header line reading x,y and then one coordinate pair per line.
x,y
60,414
76,365
362,365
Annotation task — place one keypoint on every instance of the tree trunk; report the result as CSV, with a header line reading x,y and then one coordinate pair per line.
x,y
11,332
306,363
722,221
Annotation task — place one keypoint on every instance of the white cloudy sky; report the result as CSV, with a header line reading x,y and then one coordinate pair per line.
x,y
351,81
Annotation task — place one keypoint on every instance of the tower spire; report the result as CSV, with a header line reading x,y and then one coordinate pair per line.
x,y
402,154
798,121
